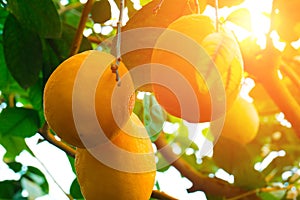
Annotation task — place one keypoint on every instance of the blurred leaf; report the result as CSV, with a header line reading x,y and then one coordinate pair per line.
x,y
50,60
23,52
14,146
154,117
191,160
35,95
241,17
5,76
19,122
262,101
101,11
207,134
35,182
144,2
75,190
9,188
139,109
207,166
162,165
62,46
213,197
15,166
71,17
267,196
235,159
157,185
72,163
38,16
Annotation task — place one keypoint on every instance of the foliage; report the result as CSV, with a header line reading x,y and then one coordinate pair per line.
x,y
36,36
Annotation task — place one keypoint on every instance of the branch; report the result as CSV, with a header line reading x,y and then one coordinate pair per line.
x,y
84,17
161,195
265,71
50,175
200,182
290,72
266,189
95,39
45,133
69,7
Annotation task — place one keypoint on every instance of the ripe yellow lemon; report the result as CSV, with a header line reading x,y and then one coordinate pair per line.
x,y
129,177
241,122
81,89
220,48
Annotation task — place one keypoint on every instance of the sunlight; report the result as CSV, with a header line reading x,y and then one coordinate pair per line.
x,y
260,21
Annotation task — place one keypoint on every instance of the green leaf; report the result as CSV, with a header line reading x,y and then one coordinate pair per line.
x,y
5,76
35,95
72,163
207,166
35,182
14,146
75,190
241,17
62,46
71,17
213,197
101,11
162,165
19,122
144,2
154,117
235,159
38,16
15,166
23,52
267,196
207,134
9,188
50,60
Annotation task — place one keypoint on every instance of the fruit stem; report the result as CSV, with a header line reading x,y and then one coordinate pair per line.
x,y
83,19
217,14
47,135
115,67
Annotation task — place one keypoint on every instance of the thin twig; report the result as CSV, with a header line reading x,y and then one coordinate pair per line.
x,y
115,67
290,72
45,133
69,7
217,14
50,175
161,195
197,6
78,36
